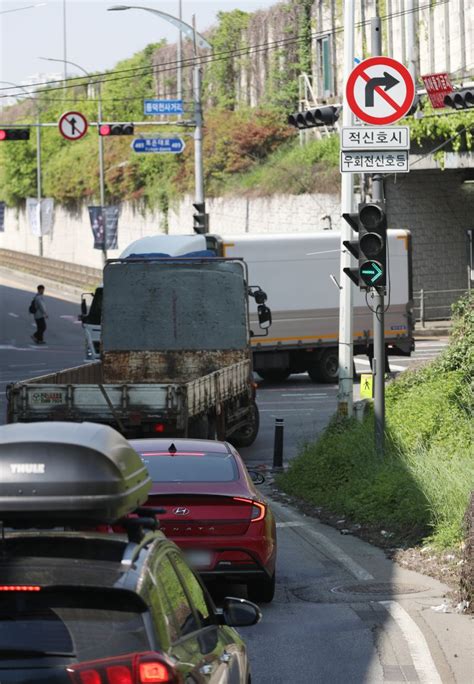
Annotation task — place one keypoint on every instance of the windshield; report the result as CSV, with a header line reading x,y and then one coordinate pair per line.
x,y
82,626
192,467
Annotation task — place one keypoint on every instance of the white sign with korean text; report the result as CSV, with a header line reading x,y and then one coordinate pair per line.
x,y
375,138
374,161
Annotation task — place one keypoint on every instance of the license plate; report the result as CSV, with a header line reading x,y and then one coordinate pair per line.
x,y
198,559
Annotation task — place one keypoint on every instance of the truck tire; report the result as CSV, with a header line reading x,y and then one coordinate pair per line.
x,y
246,436
274,374
327,368
199,428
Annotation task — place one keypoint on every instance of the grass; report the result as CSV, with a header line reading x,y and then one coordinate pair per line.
x,y
420,489
292,169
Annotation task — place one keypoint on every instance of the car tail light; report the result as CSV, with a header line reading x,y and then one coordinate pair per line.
x,y
19,587
159,427
258,509
134,668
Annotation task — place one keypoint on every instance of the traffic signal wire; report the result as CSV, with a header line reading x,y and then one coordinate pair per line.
x,y
209,59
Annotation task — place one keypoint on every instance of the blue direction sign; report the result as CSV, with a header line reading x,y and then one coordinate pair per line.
x,y
173,145
154,107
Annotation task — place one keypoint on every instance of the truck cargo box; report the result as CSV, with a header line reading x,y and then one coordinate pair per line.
x,y
61,472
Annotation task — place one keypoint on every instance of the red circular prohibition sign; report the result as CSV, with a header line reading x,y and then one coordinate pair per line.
x,y
81,118
400,109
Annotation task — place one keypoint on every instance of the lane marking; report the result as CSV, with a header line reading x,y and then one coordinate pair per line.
x,y
303,394
417,646
393,366
14,315
290,524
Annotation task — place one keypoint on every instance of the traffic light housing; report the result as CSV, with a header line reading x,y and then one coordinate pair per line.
x,y
107,129
200,218
321,116
14,134
460,99
371,246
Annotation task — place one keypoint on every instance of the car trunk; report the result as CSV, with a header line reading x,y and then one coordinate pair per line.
x,y
202,515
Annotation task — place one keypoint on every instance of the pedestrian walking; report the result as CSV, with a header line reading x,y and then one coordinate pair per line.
x,y
40,315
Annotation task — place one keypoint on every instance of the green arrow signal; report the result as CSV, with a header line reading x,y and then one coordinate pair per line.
x,y
373,270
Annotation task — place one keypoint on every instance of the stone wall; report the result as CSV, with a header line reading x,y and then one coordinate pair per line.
x,y
438,208
71,239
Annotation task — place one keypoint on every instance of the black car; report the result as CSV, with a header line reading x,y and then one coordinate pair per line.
x,y
79,606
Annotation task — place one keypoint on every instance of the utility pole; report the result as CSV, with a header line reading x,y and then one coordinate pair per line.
x,y
345,393
38,176
101,164
179,58
379,303
198,123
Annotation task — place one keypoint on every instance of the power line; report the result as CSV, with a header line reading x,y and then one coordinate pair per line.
x,y
192,61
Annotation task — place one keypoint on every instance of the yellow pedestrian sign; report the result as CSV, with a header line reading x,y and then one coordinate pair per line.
x,y
366,386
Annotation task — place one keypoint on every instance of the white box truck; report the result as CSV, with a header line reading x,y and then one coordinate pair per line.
x,y
295,272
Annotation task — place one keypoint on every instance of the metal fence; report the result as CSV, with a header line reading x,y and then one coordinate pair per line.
x,y
435,305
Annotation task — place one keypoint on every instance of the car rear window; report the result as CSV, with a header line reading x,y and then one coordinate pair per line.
x,y
82,626
184,467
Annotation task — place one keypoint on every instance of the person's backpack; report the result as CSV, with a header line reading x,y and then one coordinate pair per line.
x,y
32,307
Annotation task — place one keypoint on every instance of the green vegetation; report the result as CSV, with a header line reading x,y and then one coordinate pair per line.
x,y
420,489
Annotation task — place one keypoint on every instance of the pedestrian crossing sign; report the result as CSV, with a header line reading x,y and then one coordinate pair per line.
x,y
366,386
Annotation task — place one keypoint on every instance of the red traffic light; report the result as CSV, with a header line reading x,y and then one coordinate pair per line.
x,y
14,134
116,129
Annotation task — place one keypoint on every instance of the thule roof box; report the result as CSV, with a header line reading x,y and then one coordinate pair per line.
x,y
63,473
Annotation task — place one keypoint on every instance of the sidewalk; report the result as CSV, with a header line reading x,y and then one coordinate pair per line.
x,y
433,329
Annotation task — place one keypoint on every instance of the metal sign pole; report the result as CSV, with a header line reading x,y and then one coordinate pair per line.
x,y
198,156
378,316
346,380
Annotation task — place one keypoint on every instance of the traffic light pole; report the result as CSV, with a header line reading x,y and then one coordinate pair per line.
x,y
101,161
198,156
346,380
38,179
378,364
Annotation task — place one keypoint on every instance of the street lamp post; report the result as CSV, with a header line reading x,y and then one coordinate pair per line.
x,y
38,160
101,141
198,40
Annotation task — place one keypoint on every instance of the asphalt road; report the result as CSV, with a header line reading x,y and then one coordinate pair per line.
x,y
342,613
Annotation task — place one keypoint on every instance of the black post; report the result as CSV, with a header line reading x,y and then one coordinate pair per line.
x,y
278,445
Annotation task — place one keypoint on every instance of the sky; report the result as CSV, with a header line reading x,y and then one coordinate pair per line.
x,y
95,38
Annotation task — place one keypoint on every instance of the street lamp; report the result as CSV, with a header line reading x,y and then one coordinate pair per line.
x,y
38,157
198,40
99,120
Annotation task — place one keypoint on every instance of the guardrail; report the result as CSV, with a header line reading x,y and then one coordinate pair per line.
x,y
435,305
53,269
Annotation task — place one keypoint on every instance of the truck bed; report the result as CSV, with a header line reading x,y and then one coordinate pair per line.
x,y
79,394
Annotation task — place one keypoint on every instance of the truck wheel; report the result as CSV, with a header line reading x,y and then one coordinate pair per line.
x,y
199,428
327,368
274,374
247,435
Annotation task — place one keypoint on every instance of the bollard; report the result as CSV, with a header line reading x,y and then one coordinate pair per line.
x,y
278,446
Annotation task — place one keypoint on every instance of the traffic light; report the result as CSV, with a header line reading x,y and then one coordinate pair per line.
x,y
371,247
352,246
460,99
322,116
14,133
200,218
116,129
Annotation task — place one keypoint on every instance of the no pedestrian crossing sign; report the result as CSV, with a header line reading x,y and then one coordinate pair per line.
x,y
380,90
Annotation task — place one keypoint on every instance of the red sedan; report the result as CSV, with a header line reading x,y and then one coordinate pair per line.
x,y
213,511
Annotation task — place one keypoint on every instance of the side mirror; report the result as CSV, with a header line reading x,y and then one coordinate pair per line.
x,y
264,316
83,307
237,612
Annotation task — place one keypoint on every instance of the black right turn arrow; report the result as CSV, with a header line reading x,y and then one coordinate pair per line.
x,y
387,81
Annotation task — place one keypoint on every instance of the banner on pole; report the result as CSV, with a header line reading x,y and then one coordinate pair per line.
x,y
2,217
104,224
40,215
